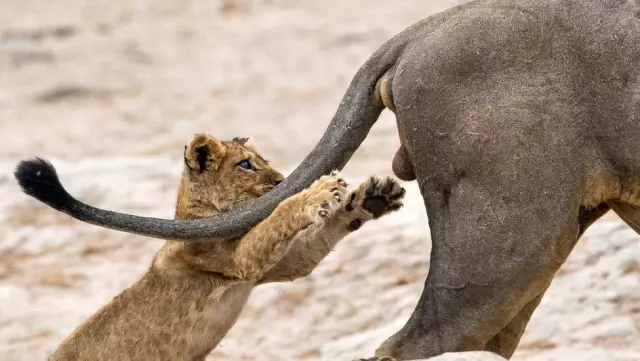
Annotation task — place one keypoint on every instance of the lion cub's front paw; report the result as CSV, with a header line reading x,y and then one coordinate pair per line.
x,y
324,197
379,195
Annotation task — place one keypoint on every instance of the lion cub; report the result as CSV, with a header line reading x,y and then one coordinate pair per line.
x,y
193,292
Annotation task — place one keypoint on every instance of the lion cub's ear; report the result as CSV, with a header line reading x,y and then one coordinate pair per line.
x,y
247,142
204,152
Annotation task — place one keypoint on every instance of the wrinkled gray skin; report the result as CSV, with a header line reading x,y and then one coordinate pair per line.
x,y
520,120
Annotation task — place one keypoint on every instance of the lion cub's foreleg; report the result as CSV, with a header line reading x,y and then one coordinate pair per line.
x,y
263,246
374,198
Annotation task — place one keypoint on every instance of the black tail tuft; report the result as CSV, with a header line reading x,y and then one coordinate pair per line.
x,y
39,179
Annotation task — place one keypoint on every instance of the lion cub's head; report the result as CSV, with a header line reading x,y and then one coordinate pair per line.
x,y
218,174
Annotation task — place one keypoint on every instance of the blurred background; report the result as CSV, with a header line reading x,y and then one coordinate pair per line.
x,y
110,91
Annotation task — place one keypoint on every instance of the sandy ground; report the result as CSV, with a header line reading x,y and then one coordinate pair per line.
x,y
111,90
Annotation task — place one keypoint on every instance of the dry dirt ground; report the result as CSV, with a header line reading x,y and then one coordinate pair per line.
x,y
111,90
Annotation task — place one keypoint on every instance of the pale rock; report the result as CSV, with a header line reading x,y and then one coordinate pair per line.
x,y
467,356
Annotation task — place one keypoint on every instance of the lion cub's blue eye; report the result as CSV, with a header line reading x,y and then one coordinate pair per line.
x,y
245,164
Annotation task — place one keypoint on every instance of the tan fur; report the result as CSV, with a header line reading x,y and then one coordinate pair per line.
x,y
519,118
193,292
